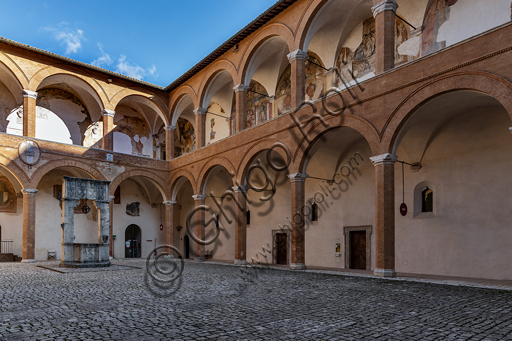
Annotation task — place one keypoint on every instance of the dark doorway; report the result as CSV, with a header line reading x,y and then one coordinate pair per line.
x,y
132,239
358,250
281,248
186,244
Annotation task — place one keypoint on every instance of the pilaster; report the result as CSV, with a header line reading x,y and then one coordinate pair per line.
x,y
169,222
241,106
240,227
108,126
200,127
384,214
298,76
29,113
297,199
384,14
169,142
29,225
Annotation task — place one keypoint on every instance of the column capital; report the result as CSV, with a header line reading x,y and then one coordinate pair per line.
x,y
169,202
272,99
510,129
297,54
386,5
28,93
199,197
297,177
239,189
200,111
106,112
112,197
170,128
384,159
29,191
240,87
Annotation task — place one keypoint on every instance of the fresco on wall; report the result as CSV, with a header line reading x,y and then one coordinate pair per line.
x,y
184,137
212,132
257,104
8,198
133,209
361,62
135,128
315,78
437,14
283,99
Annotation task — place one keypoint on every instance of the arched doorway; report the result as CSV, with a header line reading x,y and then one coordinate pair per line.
x,y
132,239
186,246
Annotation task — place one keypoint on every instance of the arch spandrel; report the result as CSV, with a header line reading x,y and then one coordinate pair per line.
x,y
479,81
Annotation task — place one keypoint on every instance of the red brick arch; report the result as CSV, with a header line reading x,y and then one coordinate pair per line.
x,y
357,123
15,170
16,72
126,93
208,167
269,31
155,179
479,81
177,95
255,149
40,172
213,70
182,173
306,19
49,71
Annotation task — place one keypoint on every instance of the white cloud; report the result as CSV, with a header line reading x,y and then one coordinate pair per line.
x,y
133,70
103,59
72,40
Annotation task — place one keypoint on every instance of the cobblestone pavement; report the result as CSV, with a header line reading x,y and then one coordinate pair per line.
x,y
41,304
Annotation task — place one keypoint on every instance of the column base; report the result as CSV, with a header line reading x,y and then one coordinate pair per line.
x,y
240,262
298,266
199,259
28,260
384,273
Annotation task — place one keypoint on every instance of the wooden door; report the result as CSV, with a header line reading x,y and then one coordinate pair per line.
x,y
358,250
281,248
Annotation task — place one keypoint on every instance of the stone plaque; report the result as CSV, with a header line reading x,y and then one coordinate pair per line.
x,y
29,152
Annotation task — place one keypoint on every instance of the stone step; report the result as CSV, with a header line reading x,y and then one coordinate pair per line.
x,y
9,257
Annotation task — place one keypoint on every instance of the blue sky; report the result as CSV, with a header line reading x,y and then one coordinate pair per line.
x,y
156,41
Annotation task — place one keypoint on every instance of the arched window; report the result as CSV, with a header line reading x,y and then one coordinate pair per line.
x,y
427,200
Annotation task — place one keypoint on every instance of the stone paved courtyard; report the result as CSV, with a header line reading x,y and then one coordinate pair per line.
x,y
41,304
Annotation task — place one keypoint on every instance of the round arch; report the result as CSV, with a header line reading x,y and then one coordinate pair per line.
x,y
271,31
212,73
181,105
489,84
87,84
213,84
40,172
178,95
155,180
360,125
15,173
209,166
12,77
255,149
178,180
150,101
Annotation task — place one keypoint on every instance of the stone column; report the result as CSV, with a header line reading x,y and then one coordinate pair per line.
x,y
111,227
68,229
169,142
384,214
240,227
103,229
384,14
199,228
169,222
241,106
108,126
298,76
298,221
200,127
29,113
29,225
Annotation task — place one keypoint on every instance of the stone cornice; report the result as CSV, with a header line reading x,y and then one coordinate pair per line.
x,y
200,111
29,191
386,5
297,177
169,202
199,197
297,54
30,94
171,128
109,113
384,159
240,87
